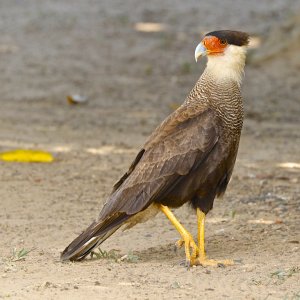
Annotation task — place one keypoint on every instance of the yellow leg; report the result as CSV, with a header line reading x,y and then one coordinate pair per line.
x,y
203,260
201,230
187,238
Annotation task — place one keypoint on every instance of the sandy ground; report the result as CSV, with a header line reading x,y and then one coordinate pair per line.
x,y
50,49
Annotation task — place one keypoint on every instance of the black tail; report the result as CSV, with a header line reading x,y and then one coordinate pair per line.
x,y
92,237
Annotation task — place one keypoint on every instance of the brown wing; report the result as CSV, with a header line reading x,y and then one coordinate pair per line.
x,y
179,116
180,144
175,148
131,168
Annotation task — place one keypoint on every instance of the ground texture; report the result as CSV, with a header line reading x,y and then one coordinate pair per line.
x,y
133,79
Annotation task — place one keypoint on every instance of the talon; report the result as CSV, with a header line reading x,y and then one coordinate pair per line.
x,y
179,244
188,244
188,265
205,262
202,259
182,263
186,237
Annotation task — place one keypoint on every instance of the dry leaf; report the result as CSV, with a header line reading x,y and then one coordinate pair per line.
x,y
76,99
22,155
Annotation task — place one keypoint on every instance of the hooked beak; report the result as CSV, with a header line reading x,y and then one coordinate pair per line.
x,y
200,51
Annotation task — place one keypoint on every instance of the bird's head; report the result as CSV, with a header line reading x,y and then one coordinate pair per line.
x,y
226,53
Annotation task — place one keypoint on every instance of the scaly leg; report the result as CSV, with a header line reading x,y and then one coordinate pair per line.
x,y
186,237
201,230
203,260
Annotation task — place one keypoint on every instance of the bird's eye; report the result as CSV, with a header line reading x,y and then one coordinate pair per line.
x,y
223,42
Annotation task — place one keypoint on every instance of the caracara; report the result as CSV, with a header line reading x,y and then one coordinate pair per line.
x,y
189,158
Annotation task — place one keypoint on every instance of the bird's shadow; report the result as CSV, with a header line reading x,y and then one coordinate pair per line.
x,y
156,254
168,252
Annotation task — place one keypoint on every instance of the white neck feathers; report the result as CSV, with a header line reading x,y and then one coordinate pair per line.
x,y
228,66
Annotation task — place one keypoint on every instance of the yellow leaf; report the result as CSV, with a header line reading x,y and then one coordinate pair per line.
x,y
22,155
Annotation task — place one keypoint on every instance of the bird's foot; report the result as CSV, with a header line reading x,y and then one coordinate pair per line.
x,y
189,243
205,262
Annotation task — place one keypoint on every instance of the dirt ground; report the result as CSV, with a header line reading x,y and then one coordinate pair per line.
x,y
133,77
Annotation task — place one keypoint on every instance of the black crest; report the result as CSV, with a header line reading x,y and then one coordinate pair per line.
x,y
236,38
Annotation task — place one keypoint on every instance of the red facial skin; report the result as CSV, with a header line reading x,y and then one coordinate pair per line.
x,y
214,45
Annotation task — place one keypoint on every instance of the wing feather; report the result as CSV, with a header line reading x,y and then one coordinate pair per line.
x,y
173,150
176,148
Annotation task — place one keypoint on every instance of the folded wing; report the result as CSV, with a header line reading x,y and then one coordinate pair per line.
x,y
175,148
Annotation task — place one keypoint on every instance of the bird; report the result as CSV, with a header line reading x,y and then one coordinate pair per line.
x,y
189,157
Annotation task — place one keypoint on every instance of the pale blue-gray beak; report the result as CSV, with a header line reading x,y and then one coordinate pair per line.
x,y
200,51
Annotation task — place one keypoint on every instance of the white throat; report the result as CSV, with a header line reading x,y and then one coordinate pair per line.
x,y
229,66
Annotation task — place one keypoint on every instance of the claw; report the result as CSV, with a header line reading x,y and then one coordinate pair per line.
x,y
186,237
205,262
179,244
189,243
188,265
